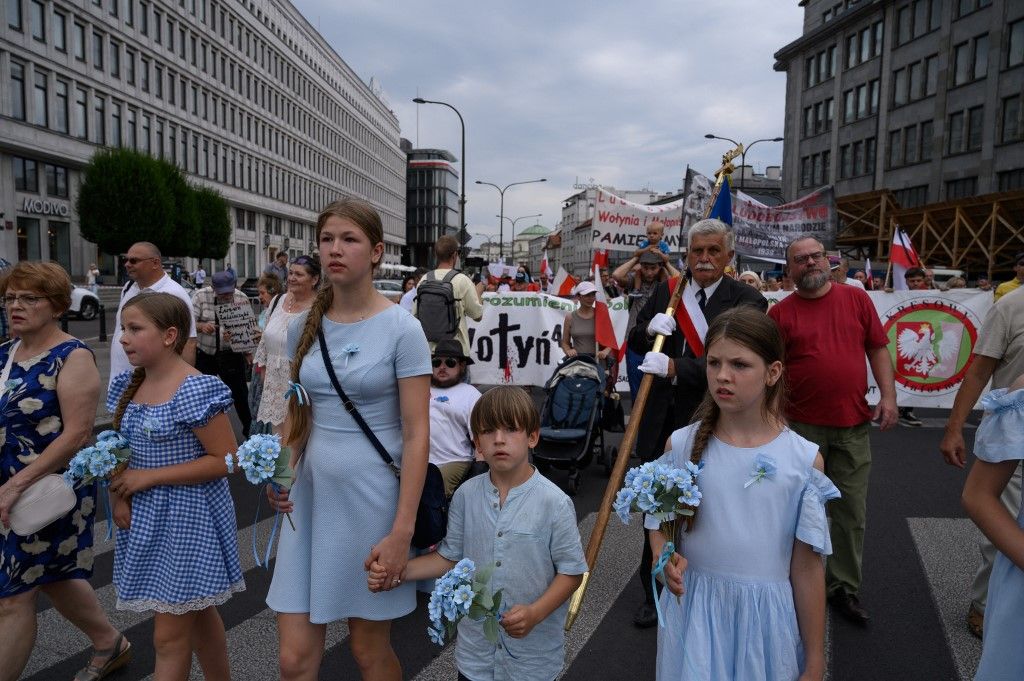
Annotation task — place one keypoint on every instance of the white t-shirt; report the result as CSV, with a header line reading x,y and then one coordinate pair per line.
x,y
118,360
450,435
407,299
855,282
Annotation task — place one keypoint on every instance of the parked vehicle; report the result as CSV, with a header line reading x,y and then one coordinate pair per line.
x,y
84,304
391,288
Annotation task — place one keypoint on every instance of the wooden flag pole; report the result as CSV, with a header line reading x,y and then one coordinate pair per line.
x,y
635,416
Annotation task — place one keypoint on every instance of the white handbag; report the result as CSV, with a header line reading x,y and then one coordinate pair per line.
x,y
47,499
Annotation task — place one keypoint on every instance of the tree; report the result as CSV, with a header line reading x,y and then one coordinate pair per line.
x,y
214,223
124,199
184,237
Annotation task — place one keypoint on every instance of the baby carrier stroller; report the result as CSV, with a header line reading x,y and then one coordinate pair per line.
x,y
570,424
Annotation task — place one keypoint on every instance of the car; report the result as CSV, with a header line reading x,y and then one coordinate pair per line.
x,y
391,288
84,304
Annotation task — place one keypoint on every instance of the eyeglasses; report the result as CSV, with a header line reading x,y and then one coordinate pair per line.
x,y
27,300
804,259
136,261
449,362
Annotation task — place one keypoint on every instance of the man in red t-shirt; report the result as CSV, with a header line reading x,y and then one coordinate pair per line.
x,y
828,329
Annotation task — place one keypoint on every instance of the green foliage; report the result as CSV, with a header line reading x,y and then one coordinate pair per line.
x,y
128,197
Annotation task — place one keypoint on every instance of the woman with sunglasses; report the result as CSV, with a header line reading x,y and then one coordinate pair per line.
x,y
48,399
272,353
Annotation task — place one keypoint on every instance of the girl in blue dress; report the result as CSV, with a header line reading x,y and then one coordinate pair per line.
x,y
746,590
176,550
999,448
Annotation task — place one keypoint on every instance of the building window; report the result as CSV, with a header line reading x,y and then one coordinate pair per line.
x,y
144,75
99,120
97,50
81,119
78,36
145,134
1015,43
143,18
26,175
56,180
129,14
115,59
965,7
912,197
116,133
955,134
40,112
17,91
129,67
927,140
37,17
1010,127
60,32
132,129
1011,179
14,14
962,188
970,60
60,121
113,7
974,121
158,81
910,144
158,18
895,148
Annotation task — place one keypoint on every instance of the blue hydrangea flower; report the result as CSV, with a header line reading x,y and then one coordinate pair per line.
x,y
764,469
436,636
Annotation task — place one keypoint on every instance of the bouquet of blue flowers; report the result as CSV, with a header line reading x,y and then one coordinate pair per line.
x,y
101,461
460,592
665,493
264,460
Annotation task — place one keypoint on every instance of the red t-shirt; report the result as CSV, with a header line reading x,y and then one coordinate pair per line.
x,y
826,339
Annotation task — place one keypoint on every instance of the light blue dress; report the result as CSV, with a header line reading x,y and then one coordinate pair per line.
x,y
181,552
737,619
1001,438
345,496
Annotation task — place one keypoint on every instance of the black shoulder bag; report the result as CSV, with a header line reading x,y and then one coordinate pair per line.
x,y
432,514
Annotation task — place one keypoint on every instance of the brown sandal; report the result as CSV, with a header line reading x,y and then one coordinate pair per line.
x,y
115,660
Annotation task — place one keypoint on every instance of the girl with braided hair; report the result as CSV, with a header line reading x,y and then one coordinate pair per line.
x,y
747,586
176,549
349,507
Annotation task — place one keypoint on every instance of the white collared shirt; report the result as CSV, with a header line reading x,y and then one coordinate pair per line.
x,y
710,290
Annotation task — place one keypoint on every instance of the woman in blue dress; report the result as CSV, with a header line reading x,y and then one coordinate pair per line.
x,y
999,448
348,507
47,407
746,589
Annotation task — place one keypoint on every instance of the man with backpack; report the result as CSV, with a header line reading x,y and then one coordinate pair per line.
x,y
445,297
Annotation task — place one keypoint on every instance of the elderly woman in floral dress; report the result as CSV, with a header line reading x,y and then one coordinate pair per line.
x,y
47,408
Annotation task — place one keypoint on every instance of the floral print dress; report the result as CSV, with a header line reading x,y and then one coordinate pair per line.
x,y
30,419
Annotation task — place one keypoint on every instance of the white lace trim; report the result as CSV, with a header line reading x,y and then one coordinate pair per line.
x,y
273,406
146,604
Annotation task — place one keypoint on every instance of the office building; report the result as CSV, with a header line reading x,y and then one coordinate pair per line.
x,y
432,202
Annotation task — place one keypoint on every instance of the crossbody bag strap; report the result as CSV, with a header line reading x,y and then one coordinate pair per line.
x,y
351,408
10,363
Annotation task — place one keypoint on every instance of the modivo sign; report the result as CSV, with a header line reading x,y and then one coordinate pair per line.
x,y
41,207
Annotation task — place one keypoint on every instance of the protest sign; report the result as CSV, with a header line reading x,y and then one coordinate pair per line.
x,y
619,224
238,320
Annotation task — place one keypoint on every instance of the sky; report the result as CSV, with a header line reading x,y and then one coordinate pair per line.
x,y
617,94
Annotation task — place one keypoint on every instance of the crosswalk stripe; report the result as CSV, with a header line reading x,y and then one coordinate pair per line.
x,y
59,639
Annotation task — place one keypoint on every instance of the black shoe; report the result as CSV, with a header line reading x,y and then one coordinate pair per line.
x,y
907,418
849,607
646,616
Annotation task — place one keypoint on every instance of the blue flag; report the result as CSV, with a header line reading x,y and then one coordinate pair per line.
x,y
722,209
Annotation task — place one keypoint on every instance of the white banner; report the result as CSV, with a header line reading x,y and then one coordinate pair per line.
x,y
619,224
932,334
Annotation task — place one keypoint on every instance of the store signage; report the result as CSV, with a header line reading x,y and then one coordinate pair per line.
x,y
41,207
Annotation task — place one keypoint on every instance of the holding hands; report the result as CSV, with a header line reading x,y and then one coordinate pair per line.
x,y
390,555
130,481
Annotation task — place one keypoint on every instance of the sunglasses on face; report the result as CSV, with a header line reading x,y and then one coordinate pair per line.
x,y
136,261
449,362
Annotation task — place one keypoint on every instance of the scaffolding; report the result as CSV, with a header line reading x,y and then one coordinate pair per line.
x,y
977,234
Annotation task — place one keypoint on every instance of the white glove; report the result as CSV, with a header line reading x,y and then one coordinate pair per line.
x,y
661,323
655,363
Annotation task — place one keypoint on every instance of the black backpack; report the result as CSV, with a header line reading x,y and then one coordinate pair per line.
x,y
435,306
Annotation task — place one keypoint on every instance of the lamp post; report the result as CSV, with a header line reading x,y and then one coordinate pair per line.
x,y
501,224
488,241
513,237
743,154
462,196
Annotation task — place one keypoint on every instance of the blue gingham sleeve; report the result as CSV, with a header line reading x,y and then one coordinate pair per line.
x,y
199,399
1000,435
812,523
116,389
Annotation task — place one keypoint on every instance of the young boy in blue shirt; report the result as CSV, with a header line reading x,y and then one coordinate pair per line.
x,y
523,524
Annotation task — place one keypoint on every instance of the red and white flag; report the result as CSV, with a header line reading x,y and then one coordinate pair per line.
x,y
563,283
869,282
600,258
604,332
545,267
690,317
902,256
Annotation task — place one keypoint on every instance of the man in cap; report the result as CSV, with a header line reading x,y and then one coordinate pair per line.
x,y
451,403
215,356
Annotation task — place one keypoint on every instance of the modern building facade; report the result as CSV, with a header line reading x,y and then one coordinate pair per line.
x,y
921,97
246,97
432,202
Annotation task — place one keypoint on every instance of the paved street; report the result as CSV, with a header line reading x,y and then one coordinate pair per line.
x,y
919,556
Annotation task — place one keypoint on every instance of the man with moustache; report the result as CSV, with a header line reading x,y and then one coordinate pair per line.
x,y
828,328
451,403
680,376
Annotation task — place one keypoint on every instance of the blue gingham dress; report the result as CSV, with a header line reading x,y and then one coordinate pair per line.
x,y
181,552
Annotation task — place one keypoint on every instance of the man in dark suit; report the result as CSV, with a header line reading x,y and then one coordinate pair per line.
x,y
680,379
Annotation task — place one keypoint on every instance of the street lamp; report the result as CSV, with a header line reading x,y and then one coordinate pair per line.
x,y
462,197
513,237
743,154
501,224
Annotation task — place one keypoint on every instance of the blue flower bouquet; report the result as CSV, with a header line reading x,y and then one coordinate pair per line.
x,y
264,461
665,493
99,462
460,592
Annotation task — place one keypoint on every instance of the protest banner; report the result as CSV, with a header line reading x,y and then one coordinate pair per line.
x,y
619,224
931,337
238,320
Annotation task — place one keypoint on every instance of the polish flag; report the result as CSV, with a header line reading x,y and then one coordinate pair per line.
x,y
563,283
545,267
604,332
868,278
600,259
690,317
902,256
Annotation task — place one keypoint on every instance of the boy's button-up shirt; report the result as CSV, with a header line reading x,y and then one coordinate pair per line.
x,y
530,539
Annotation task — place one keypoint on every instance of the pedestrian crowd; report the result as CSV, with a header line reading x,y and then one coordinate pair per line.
x,y
369,396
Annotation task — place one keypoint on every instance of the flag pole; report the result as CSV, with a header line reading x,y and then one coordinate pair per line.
x,y
635,416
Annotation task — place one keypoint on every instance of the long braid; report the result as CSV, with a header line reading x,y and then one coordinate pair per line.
x,y
707,414
299,414
138,375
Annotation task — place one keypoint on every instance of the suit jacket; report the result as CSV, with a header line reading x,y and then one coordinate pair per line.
x,y
670,407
